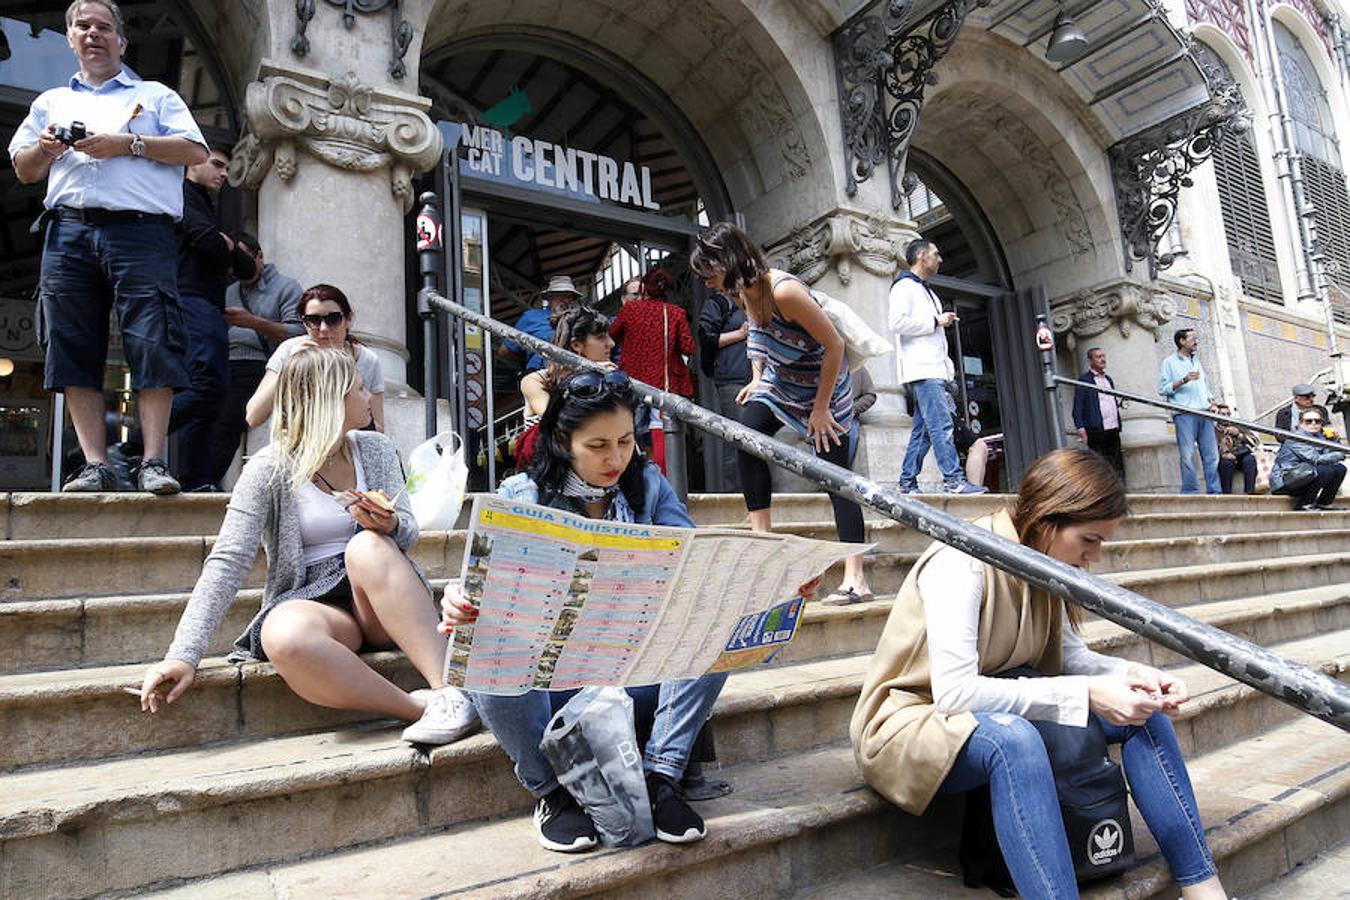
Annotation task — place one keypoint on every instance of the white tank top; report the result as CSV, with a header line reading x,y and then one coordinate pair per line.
x,y
325,527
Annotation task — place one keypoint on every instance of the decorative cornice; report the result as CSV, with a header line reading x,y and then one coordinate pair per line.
x,y
340,121
400,29
842,238
1122,304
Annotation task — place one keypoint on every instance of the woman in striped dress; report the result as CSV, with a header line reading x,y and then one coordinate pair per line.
x,y
799,379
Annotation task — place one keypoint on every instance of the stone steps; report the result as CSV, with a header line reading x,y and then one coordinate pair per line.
x,y
82,810
42,516
805,826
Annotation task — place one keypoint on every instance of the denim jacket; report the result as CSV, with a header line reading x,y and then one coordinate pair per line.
x,y
660,506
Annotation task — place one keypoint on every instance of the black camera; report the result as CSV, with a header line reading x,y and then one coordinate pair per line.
x,y
69,135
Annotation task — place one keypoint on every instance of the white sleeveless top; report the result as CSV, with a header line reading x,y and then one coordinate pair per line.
x,y
325,527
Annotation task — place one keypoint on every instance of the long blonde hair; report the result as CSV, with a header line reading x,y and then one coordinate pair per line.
x,y
311,409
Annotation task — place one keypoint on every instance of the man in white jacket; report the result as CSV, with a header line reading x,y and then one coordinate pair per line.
x,y
919,324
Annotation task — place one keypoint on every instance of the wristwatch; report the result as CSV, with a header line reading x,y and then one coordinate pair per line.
x,y
137,145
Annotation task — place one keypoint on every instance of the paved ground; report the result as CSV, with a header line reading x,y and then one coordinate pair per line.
x,y
1323,877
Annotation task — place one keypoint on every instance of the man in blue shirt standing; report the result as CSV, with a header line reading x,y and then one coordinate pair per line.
x,y
113,196
1182,381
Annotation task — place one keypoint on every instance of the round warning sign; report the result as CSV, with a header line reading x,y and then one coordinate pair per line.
x,y
476,418
474,391
473,363
428,232
1045,339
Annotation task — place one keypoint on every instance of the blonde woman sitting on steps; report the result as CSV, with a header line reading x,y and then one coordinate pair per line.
x,y
338,576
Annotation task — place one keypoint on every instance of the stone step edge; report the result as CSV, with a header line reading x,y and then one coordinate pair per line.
x,y
260,782
1101,635
730,835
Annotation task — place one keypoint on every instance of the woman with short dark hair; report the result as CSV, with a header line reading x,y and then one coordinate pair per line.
x,y
933,718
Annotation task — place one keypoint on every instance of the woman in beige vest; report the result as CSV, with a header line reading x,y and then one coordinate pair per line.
x,y
932,719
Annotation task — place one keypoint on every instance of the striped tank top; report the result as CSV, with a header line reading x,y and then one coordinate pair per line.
x,y
792,360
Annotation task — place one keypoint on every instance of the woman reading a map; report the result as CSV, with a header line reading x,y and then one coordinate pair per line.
x,y
318,499
587,464
933,718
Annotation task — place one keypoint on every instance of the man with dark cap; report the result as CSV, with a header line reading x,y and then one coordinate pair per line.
x,y
1304,397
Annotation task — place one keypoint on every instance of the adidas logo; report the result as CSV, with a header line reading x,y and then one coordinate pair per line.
x,y
1104,842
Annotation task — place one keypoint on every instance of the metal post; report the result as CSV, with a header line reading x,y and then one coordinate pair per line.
x,y
676,473
1045,343
58,438
429,251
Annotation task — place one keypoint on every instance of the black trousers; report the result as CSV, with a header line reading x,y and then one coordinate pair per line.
x,y
1228,468
1322,490
1107,443
229,424
757,485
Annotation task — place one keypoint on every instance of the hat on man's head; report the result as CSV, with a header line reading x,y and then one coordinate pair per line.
x,y
1303,390
561,284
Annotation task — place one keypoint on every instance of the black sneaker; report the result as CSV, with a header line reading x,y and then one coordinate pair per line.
x,y
675,820
91,477
562,824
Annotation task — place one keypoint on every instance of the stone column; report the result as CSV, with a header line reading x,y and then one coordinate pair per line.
x,y
1126,320
853,255
331,159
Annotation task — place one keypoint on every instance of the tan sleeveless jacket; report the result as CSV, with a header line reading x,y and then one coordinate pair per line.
x,y
904,746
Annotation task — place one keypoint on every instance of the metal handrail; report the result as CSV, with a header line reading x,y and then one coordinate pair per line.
x,y
1300,436
1300,686
1288,400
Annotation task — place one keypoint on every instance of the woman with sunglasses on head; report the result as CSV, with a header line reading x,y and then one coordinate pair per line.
x,y
338,574
327,317
583,331
800,378
1297,459
933,718
587,463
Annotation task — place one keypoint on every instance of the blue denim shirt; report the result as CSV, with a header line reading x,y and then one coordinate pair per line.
x,y
122,104
1195,394
660,506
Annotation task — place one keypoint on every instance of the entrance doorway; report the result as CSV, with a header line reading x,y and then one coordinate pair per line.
x,y
559,162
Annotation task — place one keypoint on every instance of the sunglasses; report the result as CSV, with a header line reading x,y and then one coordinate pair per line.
x,y
590,385
332,319
1312,421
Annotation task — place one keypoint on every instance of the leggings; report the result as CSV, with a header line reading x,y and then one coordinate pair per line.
x,y
757,486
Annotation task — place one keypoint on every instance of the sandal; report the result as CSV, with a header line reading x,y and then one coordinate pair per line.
x,y
847,597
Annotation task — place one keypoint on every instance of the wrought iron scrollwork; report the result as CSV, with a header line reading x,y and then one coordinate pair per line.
x,y
881,57
1150,169
401,31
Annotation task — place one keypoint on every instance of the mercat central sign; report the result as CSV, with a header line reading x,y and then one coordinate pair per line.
x,y
487,152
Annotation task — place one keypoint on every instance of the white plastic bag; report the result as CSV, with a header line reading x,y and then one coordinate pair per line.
x,y
592,745
437,476
861,343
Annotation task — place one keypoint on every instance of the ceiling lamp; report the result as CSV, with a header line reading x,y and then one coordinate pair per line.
x,y
1067,42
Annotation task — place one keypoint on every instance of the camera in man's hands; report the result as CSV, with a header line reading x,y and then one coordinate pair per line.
x,y
68,135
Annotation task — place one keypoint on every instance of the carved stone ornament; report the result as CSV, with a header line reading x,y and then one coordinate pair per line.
x,y
1124,304
400,29
842,239
341,121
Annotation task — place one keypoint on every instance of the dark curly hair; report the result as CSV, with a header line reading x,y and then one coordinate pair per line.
x,y
566,413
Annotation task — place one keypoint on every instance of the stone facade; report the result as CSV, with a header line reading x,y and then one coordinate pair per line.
x,y
334,133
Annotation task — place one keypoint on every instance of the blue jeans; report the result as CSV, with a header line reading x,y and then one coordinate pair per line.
x,y
519,722
932,428
1190,431
195,409
1006,752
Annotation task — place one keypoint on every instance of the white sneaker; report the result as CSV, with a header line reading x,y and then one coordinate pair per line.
x,y
449,716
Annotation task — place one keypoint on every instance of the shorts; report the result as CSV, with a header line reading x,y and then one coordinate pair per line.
x,y
325,582
962,436
88,271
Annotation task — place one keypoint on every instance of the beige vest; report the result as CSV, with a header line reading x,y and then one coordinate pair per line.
x,y
904,746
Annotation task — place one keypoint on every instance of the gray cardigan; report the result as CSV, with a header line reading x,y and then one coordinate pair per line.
x,y
262,508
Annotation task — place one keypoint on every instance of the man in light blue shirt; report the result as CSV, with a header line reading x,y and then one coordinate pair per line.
x,y
113,196
1182,381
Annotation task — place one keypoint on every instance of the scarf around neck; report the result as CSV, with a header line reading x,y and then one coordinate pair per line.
x,y
581,491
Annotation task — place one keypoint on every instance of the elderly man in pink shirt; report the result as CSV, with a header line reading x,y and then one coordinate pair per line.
x,y
1097,415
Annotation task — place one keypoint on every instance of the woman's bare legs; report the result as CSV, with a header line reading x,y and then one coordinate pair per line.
x,y
391,604
313,647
